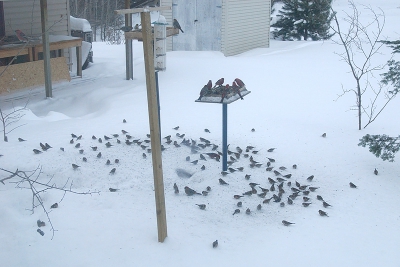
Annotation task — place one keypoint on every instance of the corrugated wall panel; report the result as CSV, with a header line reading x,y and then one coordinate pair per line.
x,y
245,25
168,16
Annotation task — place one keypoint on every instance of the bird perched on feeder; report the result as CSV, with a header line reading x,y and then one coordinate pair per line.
x,y
239,82
220,82
21,36
205,89
177,25
236,89
224,92
126,28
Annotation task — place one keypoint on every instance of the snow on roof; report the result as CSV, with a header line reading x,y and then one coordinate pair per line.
x,y
80,24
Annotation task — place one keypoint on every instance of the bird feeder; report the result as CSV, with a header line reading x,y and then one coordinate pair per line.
x,y
223,94
160,44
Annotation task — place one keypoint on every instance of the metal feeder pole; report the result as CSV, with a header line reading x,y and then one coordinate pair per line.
x,y
224,137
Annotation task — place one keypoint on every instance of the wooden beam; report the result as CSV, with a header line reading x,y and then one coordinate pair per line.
x,y
128,46
140,10
154,126
46,48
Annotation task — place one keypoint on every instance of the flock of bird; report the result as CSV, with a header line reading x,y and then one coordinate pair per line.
x,y
280,187
221,90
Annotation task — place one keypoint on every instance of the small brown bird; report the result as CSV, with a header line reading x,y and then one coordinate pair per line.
x,y
306,204
113,189
352,185
176,189
286,223
215,244
220,82
236,211
201,206
325,204
113,170
305,199
312,189
247,176
176,128
376,171
176,25
323,213
320,198
222,182
74,166
272,181
99,155
323,135
190,191
310,178
271,149
239,82
289,201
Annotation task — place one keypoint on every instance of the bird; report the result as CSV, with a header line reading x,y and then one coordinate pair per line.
x,y
177,25
376,171
239,82
323,135
144,155
78,145
108,144
113,189
352,185
262,195
325,204
126,28
286,223
271,149
272,181
207,131
123,121
108,162
201,206
94,137
54,206
222,182
84,159
236,211
40,232
320,198
282,204
40,223
74,166
79,137
204,193
21,36
99,155
176,128
323,213
71,141
36,151
248,193
220,82
189,191
305,199
176,189
294,166
247,176
208,188
100,140
94,148
259,207
203,92
215,244
253,130
44,148
306,204
237,196
203,168
312,189
310,178
239,204
236,89
81,151
113,170
62,149
271,160
21,140
194,162
106,137
248,211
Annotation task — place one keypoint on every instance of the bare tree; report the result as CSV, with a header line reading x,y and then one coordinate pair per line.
x,y
30,180
361,42
10,118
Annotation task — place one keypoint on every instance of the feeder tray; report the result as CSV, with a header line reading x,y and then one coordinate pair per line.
x,y
214,95
137,34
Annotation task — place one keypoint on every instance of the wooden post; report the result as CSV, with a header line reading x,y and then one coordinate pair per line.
x,y
46,48
128,46
154,126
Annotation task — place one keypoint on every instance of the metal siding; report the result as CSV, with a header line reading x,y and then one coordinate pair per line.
x,y
245,25
168,16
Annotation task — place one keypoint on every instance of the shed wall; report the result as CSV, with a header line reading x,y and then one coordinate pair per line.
x,y
245,25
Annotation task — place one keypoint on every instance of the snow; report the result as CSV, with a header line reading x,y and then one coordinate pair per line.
x,y
294,100
78,24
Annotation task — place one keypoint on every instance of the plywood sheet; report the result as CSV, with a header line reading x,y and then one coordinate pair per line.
x,y
31,74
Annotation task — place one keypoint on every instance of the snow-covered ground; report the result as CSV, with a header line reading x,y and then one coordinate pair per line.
x,y
294,89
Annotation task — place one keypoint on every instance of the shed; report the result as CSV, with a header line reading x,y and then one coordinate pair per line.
x,y
229,26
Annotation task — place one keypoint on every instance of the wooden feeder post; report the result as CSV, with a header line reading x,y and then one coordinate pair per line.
x,y
154,126
46,48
